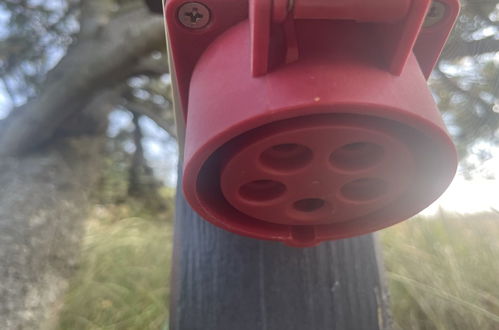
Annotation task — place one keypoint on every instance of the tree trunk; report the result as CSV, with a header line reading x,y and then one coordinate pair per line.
x,y
43,198
136,187
46,173
224,281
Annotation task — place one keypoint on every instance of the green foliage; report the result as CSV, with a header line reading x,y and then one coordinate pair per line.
x,y
113,186
34,35
122,282
443,272
115,181
465,82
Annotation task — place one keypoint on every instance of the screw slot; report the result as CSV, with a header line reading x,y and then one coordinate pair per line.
x,y
435,14
194,15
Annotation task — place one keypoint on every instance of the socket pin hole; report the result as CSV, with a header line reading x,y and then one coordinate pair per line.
x,y
309,205
262,190
286,157
356,156
365,189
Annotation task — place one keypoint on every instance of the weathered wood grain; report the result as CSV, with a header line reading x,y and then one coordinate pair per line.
x,y
223,281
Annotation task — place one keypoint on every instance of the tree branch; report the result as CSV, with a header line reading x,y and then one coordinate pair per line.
x,y
154,66
453,85
9,91
80,75
460,48
94,13
161,122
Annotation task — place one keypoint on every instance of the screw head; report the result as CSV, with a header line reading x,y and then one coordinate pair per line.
x,y
194,15
435,14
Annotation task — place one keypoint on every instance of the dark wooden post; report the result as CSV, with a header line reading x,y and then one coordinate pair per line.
x,y
222,281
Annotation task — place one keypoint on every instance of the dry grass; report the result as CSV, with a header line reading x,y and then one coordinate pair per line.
x,y
122,282
443,272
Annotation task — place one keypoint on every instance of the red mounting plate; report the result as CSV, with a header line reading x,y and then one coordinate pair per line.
x,y
187,44
309,122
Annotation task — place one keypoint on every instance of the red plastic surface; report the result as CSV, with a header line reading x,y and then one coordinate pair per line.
x,y
432,39
357,10
330,139
395,41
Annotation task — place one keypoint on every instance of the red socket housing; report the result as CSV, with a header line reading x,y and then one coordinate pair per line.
x,y
310,120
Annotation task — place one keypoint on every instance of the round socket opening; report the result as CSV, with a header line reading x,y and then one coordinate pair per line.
x,y
262,190
356,156
286,157
365,189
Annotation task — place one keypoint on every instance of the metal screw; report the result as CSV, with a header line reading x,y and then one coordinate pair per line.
x,y
194,15
435,14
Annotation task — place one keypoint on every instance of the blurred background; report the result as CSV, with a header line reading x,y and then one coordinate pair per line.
x,y
88,158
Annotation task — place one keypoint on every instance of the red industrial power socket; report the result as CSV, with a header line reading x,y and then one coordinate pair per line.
x,y
310,120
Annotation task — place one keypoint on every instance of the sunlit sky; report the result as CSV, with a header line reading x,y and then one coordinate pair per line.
x,y
475,195
468,196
